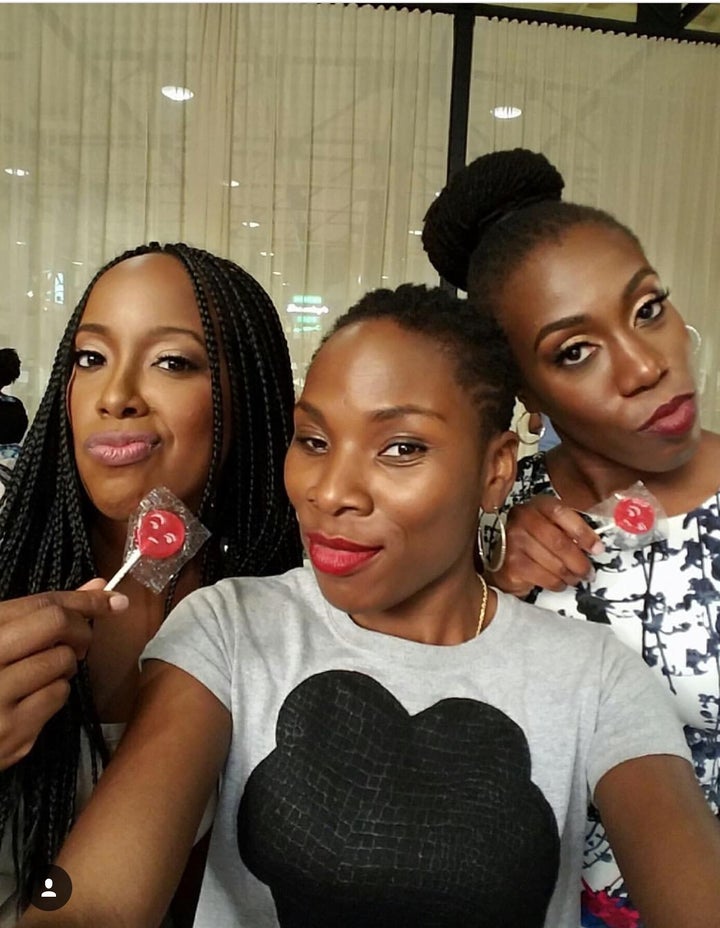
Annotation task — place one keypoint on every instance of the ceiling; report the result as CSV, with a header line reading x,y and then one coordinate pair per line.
x,y
706,16
699,22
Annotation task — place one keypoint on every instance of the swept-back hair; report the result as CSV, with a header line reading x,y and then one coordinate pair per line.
x,y
493,213
46,516
473,341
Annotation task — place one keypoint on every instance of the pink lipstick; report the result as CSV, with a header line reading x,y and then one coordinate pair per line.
x,y
117,449
337,556
674,418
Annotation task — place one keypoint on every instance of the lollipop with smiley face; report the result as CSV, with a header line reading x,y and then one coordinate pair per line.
x,y
162,536
630,518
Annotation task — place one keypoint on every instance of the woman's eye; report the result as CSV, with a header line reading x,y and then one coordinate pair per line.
x,y
573,354
175,362
86,359
311,443
403,449
653,308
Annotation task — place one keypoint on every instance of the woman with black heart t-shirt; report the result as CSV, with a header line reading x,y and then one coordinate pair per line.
x,y
401,745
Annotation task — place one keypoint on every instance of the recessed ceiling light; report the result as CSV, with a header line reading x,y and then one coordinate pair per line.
x,y
17,172
268,254
231,183
179,94
78,263
30,293
250,224
21,243
277,273
415,231
506,112
384,277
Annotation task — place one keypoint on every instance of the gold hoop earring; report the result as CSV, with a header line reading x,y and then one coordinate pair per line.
x,y
530,438
492,539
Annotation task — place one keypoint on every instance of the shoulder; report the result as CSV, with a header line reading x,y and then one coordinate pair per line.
x,y
296,588
560,637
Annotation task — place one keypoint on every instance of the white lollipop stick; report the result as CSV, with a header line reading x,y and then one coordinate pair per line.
x,y
605,528
125,568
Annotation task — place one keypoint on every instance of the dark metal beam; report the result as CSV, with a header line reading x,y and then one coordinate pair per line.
x,y
691,11
659,19
463,27
576,20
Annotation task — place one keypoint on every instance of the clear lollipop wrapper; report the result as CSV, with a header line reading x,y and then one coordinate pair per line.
x,y
162,536
630,518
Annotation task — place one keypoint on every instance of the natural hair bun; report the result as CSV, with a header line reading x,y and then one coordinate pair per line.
x,y
480,194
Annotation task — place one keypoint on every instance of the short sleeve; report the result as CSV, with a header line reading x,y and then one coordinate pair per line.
x,y
636,716
199,637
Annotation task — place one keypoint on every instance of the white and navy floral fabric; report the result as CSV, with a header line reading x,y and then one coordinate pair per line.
x,y
663,600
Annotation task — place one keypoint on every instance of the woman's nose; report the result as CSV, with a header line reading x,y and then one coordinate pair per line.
x,y
121,394
638,364
340,484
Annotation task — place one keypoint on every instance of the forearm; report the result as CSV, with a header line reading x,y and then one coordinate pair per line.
x,y
127,851
666,841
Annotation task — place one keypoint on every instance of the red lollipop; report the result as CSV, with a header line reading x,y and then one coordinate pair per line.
x,y
634,515
160,534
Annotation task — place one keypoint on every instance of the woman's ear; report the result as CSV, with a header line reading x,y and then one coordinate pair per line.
x,y
499,470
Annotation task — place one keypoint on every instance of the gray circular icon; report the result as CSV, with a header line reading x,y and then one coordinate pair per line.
x,y
52,889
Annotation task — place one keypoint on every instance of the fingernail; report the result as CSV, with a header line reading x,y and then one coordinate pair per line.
x,y
119,602
591,575
597,548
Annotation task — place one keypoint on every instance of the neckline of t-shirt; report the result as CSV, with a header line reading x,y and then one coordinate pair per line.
x,y
677,519
413,653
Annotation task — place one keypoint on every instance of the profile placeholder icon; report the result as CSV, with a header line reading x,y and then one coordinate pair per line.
x,y
52,889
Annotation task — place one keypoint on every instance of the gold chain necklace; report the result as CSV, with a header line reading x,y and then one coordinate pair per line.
x,y
483,605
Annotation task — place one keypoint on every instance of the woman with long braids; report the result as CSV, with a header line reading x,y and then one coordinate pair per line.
x,y
604,353
173,371
402,745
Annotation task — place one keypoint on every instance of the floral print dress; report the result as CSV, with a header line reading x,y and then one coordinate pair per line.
x,y
663,600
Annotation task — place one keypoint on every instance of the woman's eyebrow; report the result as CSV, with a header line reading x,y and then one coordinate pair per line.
x,y
160,330
566,322
378,415
409,409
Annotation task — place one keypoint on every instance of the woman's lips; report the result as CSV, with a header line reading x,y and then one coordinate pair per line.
x,y
117,449
674,418
338,556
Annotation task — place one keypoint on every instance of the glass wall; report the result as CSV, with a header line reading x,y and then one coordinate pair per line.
x,y
312,144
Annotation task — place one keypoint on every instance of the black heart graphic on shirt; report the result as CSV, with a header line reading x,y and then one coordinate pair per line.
x,y
366,817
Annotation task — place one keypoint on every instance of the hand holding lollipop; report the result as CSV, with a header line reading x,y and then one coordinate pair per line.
x,y
162,536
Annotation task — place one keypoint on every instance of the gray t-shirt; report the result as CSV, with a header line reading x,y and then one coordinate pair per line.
x,y
375,781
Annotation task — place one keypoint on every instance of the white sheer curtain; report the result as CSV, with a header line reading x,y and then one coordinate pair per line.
x,y
633,126
315,140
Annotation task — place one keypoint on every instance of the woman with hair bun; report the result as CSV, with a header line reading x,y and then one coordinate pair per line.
x,y
605,355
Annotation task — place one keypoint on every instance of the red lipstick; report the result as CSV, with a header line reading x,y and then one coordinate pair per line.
x,y
116,449
337,556
674,418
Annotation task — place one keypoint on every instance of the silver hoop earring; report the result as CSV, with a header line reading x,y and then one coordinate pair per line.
x,y
530,437
695,338
492,539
